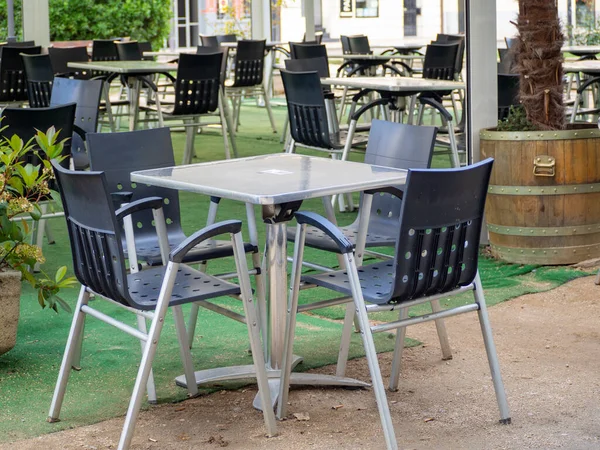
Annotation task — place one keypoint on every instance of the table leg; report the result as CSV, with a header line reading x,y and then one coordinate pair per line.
x,y
135,103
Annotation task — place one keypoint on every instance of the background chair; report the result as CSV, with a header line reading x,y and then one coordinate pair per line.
x,y
209,41
221,38
13,81
61,56
198,92
301,50
436,255
40,76
248,78
129,51
147,294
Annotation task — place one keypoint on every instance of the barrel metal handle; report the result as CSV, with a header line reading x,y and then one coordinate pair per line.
x,y
544,166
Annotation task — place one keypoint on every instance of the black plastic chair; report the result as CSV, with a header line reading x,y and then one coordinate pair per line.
x,y
146,46
104,50
61,56
451,39
508,93
40,77
13,82
436,257
198,93
95,235
313,122
248,78
16,44
86,95
318,64
129,51
209,41
300,50
221,38
507,60
317,40
510,42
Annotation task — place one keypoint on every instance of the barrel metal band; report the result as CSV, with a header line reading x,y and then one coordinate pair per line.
x,y
563,189
579,133
552,255
544,231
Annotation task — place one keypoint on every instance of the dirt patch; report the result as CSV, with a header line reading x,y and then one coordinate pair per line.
x,y
549,349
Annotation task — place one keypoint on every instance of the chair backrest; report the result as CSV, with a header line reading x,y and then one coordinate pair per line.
x,y
507,60
98,259
359,45
510,42
104,50
345,41
299,50
38,70
317,40
450,39
320,65
306,108
209,41
60,56
128,51
440,226
13,82
24,122
249,63
119,154
440,61
16,44
86,94
226,38
146,47
508,93
199,79
400,146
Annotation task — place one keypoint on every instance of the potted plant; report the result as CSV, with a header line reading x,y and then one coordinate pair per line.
x,y
22,187
545,186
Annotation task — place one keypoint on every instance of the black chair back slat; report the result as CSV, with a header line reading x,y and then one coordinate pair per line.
x,y
440,225
61,56
440,60
198,82
306,108
249,63
98,258
13,81
39,73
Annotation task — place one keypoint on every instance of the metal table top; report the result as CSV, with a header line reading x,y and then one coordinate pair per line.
x,y
125,67
395,84
272,179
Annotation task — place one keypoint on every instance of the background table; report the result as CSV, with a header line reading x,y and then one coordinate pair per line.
x,y
279,183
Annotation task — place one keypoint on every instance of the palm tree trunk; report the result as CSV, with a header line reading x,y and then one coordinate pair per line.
x,y
539,62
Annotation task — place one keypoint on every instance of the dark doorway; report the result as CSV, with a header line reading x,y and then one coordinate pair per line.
x,y
410,17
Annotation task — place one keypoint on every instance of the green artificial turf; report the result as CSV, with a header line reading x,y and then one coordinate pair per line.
x,y
102,389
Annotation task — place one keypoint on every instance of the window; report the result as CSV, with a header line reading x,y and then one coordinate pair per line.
x,y
367,8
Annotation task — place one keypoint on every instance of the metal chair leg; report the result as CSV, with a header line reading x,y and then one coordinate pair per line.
x,y
150,386
398,350
186,356
190,132
441,331
269,110
65,367
340,369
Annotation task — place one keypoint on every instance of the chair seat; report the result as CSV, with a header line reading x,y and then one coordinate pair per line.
x,y
149,251
315,238
191,285
376,280
168,108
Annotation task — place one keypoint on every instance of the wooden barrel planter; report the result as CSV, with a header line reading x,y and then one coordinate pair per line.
x,y
543,204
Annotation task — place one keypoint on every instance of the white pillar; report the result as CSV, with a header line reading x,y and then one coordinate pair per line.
x,y
482,71
36,22
261,19
309,17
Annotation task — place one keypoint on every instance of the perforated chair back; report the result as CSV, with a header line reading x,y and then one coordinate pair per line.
x,y
209,41
129,51
450,39
359,45
401,146
198,83
440,226
119,154
13,82
226,38
24,122
104,50
249,63
440,60
98,259
508,93
306,108
318,65
38,70
61,56
300,50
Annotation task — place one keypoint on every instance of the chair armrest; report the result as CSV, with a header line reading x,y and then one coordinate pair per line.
x,y
139,205
320,222
373,104
393,190
80,131
227,226
342,67
118,198
583,86
436,105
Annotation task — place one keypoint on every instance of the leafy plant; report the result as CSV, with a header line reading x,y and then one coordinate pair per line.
x,y
516,120
22,187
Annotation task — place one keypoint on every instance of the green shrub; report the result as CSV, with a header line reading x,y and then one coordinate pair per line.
x,y
143,20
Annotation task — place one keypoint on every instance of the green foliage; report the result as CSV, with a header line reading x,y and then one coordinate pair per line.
x,y
22,187
143,20
516,120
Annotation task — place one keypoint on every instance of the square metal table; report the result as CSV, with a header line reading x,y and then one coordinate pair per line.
x,y
279,183
131,69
